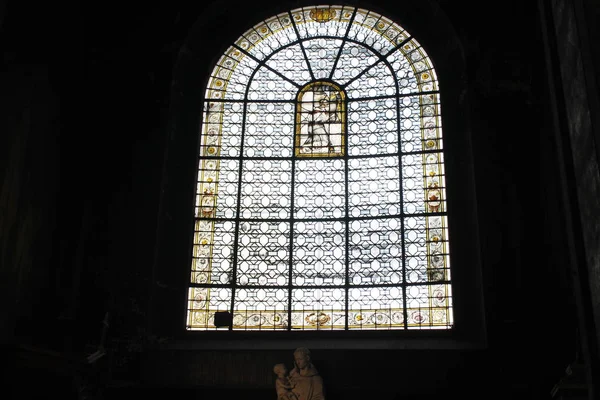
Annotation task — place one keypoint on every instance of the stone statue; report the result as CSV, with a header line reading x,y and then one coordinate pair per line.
x,y
305,380
283,385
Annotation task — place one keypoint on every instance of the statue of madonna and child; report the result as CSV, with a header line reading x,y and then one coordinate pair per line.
x,y
302,383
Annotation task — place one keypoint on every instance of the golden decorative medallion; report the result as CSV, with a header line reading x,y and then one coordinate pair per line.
x,y
322,14
317,318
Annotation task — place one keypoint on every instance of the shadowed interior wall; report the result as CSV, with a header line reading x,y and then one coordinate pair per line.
x,y
86,203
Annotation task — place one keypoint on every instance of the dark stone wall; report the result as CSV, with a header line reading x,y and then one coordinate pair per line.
x,y
574,30
89,122
27,192
41,208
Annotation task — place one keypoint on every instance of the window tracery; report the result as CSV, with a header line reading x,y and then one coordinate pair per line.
x,y
321,191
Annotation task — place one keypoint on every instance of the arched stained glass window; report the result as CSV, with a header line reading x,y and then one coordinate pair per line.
x,y
321,192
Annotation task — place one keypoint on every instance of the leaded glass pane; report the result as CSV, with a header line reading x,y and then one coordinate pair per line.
x,y
375,308
266,189
354,59
413,193
376,81
319,190
428,306
318,308
269,130
290,63
373,127
415,244
213,252
438,267
245,66
319,253
249,40
267,85
282,28
410,123
364,31
260,309
430,123
215,174
223,128
321,21
389,32
322,53
204,302
320,200
407,82
375,252
373,187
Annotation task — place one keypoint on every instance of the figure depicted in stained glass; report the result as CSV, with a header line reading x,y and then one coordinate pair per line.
x,y
320,121
283,385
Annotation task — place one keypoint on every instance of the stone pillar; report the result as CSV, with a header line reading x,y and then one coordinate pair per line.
x,y
572,64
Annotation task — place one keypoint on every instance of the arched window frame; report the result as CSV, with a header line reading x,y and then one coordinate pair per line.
x,y
478,326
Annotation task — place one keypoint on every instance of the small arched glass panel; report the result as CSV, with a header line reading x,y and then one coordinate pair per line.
x,y
320,120
321,193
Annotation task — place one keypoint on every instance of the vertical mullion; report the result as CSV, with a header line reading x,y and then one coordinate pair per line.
x,y
233,282
402,214
292,218
346,171
292,189
346,222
